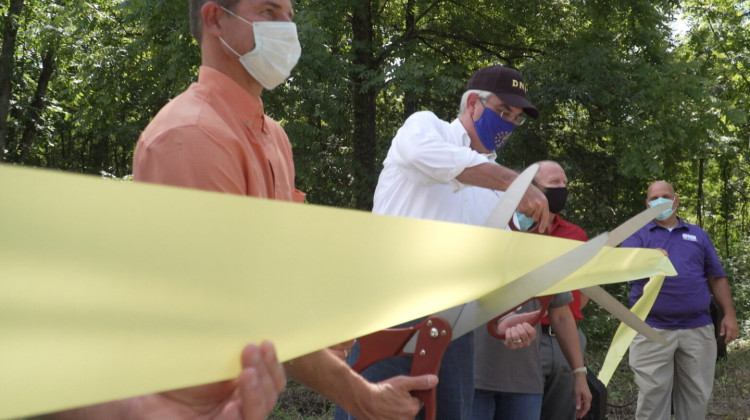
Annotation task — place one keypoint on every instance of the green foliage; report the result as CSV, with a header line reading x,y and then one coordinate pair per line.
x,y
116,64
622,103
738,273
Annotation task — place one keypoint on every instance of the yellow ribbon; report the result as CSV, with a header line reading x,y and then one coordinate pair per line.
x,y
624,334
110,290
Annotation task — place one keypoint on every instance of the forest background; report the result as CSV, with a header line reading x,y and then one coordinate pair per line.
x,y
629,92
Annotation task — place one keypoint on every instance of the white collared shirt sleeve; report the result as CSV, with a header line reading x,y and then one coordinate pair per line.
x,y
419,174
431,151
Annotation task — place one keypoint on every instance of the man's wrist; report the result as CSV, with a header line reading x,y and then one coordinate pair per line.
x,y
581,369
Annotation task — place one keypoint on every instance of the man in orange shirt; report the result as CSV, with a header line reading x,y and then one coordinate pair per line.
x,y
215,136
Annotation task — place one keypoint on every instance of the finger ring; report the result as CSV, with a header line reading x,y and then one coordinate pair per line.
x,y
517,341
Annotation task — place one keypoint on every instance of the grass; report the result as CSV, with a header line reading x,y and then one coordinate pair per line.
x,y
300,403
730,400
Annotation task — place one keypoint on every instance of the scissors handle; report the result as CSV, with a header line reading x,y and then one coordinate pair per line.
x,y
545,300
381,345
434,336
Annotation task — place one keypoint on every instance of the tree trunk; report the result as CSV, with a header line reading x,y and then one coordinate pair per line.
x,y
7,67
411,99
726,202
364,105
37,105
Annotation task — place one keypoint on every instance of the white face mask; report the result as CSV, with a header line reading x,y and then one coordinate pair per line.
x,y
275,54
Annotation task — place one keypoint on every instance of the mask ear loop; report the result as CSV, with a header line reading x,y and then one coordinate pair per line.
x,y
483,106
230,48
240,18
236,15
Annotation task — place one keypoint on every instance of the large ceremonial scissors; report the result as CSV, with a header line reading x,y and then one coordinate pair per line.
x,y
500,218
428,340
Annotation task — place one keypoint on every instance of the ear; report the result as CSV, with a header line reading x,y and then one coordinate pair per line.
x,y
211,13
472,99
676,201
472,102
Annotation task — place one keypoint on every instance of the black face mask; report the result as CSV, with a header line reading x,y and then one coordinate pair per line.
x,y
556,198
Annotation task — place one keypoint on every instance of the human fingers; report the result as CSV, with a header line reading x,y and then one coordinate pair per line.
x,y
544,219
512,338
517,329
582,395
531,203
417,383
582,408
259,381
394,400
586,405
534,204
516,319
519,336
583,404
729,330
275,369
527,331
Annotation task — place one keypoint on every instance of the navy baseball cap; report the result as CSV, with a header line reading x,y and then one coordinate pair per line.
x,y
506,83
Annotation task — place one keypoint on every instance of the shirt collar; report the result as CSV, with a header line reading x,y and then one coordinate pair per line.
x,y
247,108
680,225
556,221
459,130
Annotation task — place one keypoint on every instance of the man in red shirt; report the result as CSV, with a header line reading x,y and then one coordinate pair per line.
x,y
566,392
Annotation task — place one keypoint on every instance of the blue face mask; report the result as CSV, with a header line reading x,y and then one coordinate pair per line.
x,y
493,130
666,213
524,222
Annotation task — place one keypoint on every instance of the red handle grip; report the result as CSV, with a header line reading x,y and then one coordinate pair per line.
x,y
434,338
491,326
432,341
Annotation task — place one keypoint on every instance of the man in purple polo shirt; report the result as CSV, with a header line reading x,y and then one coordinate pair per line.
x,y
681,373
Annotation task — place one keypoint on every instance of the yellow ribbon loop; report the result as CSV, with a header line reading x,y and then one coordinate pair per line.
x,y
624,334
110,290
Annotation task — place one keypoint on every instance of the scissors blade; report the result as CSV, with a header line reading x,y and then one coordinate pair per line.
x,y
485,308
536,281
466,317
498,218
609,303
613,306
631,226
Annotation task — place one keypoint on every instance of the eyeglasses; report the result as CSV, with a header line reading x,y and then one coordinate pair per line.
x,y
506,113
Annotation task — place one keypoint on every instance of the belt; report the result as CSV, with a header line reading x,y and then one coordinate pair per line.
x,y
547,329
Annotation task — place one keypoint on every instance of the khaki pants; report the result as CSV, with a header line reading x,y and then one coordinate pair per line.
x,y
682,372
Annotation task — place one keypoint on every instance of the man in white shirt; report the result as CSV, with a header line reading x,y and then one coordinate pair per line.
x,y
447,171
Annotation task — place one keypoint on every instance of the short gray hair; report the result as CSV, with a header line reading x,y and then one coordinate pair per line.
x,y
484,95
